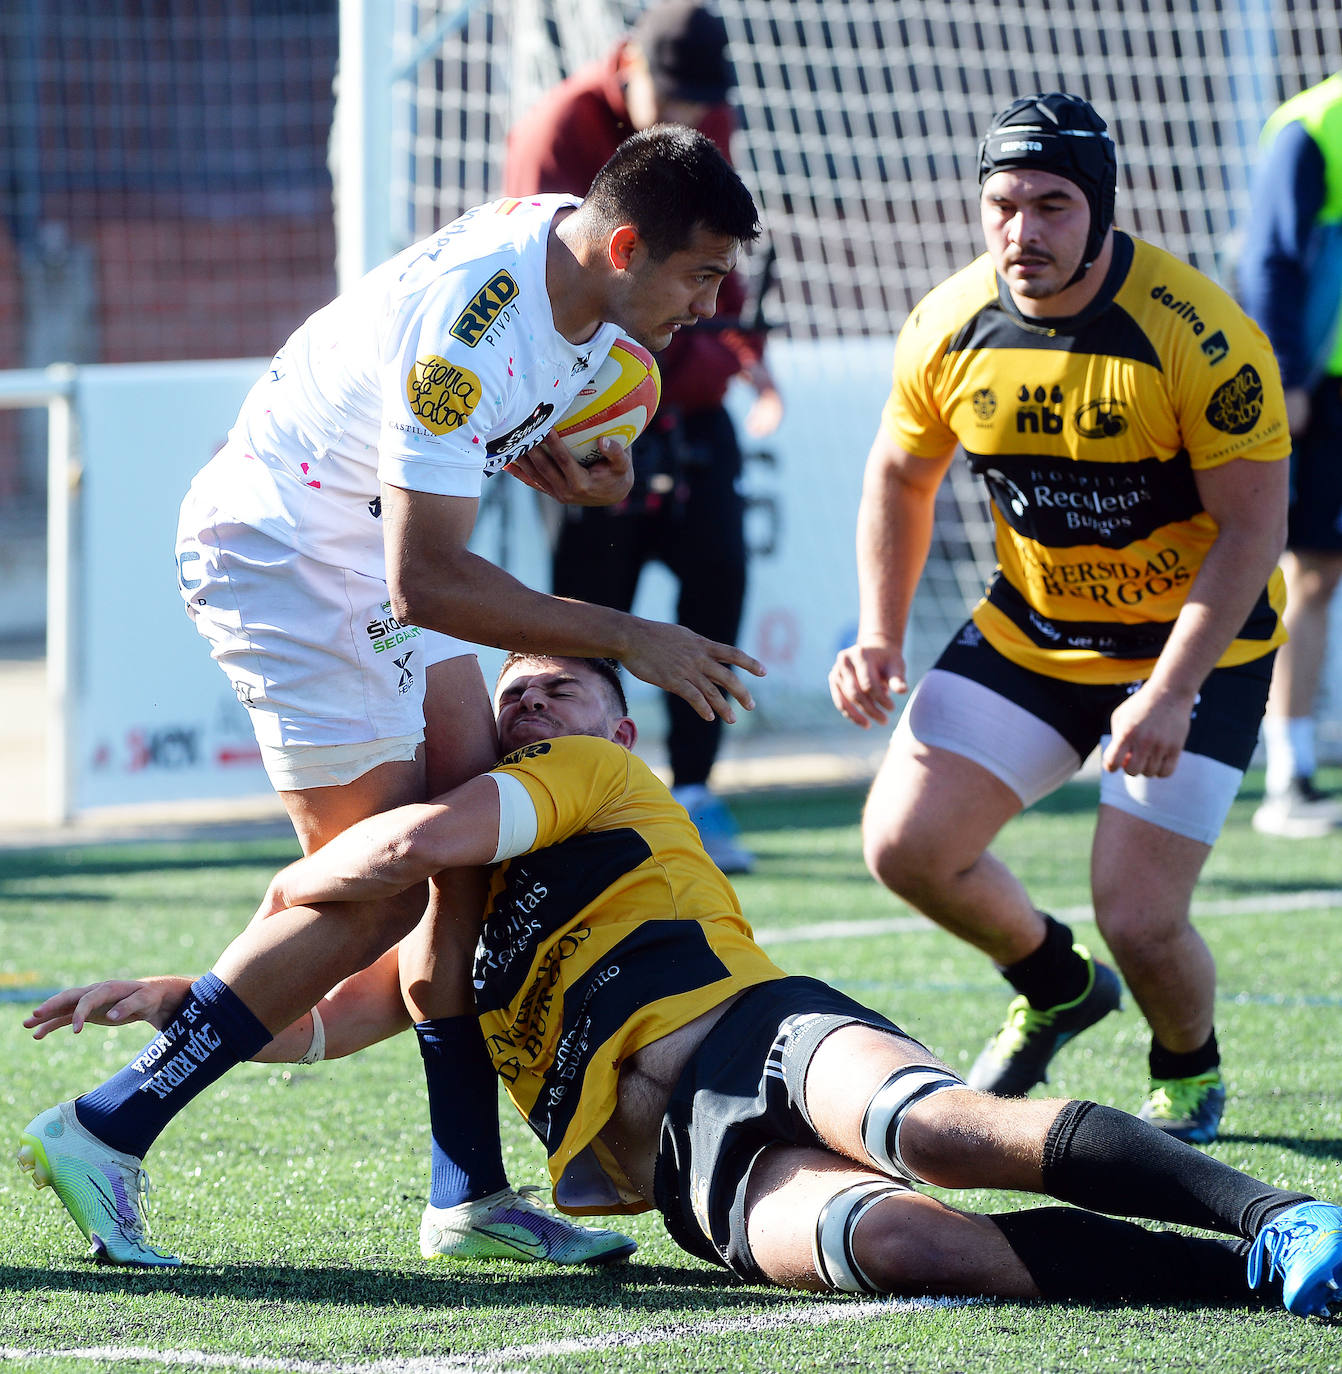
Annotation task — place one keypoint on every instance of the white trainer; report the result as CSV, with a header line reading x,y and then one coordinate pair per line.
x,y
1299,812
102,1189
511,1224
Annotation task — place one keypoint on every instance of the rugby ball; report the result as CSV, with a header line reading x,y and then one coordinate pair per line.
x,y
618,399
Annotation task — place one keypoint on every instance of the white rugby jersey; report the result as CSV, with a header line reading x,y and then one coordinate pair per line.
x,y
438,367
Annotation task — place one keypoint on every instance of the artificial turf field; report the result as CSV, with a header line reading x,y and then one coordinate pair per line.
x,y
294,1195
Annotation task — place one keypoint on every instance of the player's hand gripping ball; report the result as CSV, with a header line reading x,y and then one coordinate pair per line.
x,y
618,401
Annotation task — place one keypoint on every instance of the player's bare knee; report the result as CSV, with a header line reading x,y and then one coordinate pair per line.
x,y
862,1242
906,861
875,1238
1140,938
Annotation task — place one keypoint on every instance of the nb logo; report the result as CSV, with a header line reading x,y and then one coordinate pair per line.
x,y
1041,417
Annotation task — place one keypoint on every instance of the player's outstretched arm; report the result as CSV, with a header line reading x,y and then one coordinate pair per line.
x,y
697,669
115,1002
894,534
359,1012
392,851
437,582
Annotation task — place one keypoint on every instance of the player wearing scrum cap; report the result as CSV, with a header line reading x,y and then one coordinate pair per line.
x,y
1128,421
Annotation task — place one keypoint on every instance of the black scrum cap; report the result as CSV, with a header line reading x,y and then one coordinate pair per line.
x,y
1061,134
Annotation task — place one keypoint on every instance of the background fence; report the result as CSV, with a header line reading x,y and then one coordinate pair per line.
x,y
172,191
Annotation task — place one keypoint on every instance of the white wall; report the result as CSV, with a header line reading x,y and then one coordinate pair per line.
x,y
152,719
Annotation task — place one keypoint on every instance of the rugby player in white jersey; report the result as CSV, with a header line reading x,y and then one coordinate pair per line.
x,y
323,556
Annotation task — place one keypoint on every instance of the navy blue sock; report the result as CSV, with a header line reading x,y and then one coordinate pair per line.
x,y
463,1111
211,1033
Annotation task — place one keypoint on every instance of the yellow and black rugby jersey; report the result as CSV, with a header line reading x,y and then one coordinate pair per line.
x,y
614,930
1088,432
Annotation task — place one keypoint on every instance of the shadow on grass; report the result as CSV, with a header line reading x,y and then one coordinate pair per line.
x,y
1313,1147
1321,878
47,897
774,869
138,857
824,809
484,1287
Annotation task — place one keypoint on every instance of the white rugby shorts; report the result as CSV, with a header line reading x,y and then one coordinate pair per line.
x,y
333,682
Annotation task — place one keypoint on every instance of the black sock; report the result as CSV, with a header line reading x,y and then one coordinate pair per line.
x,y
1054,973
1071,1254
1107,1161
1167,1064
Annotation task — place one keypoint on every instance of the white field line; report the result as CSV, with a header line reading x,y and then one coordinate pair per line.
x,y
909,925
515,1358
508,1359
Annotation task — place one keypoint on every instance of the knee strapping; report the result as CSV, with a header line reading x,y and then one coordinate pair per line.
x,y
890,1104
833,1244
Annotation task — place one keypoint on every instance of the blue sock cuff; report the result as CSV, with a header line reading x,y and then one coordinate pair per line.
x,y
212,1031
229,1010
446,1033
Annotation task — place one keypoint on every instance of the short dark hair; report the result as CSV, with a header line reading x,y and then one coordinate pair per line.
x,y
608,669
668,180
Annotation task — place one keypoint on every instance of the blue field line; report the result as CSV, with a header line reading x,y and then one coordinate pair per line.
x,y
1271,999
25,995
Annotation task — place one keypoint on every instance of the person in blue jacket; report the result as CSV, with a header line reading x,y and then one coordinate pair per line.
x,y
1290,281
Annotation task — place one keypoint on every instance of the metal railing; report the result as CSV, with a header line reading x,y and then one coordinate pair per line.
x,y
53,388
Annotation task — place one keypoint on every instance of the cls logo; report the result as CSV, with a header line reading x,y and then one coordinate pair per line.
x,y
1101,419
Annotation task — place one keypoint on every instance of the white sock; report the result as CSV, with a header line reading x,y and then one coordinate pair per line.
x,y
1301,729
1290,750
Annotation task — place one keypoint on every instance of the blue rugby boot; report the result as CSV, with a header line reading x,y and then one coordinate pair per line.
x,y
1304,1245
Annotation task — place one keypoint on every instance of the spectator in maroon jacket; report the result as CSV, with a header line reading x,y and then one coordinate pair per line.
x,y
686,509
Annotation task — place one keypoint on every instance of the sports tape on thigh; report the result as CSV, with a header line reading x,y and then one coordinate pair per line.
x,y
832,1248
317,1049
890,1103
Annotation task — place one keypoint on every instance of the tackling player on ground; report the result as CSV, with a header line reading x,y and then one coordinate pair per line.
x,y
324,556
1128,421
780,1127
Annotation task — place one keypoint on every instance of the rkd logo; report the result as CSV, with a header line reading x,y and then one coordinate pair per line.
x,y
486,306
